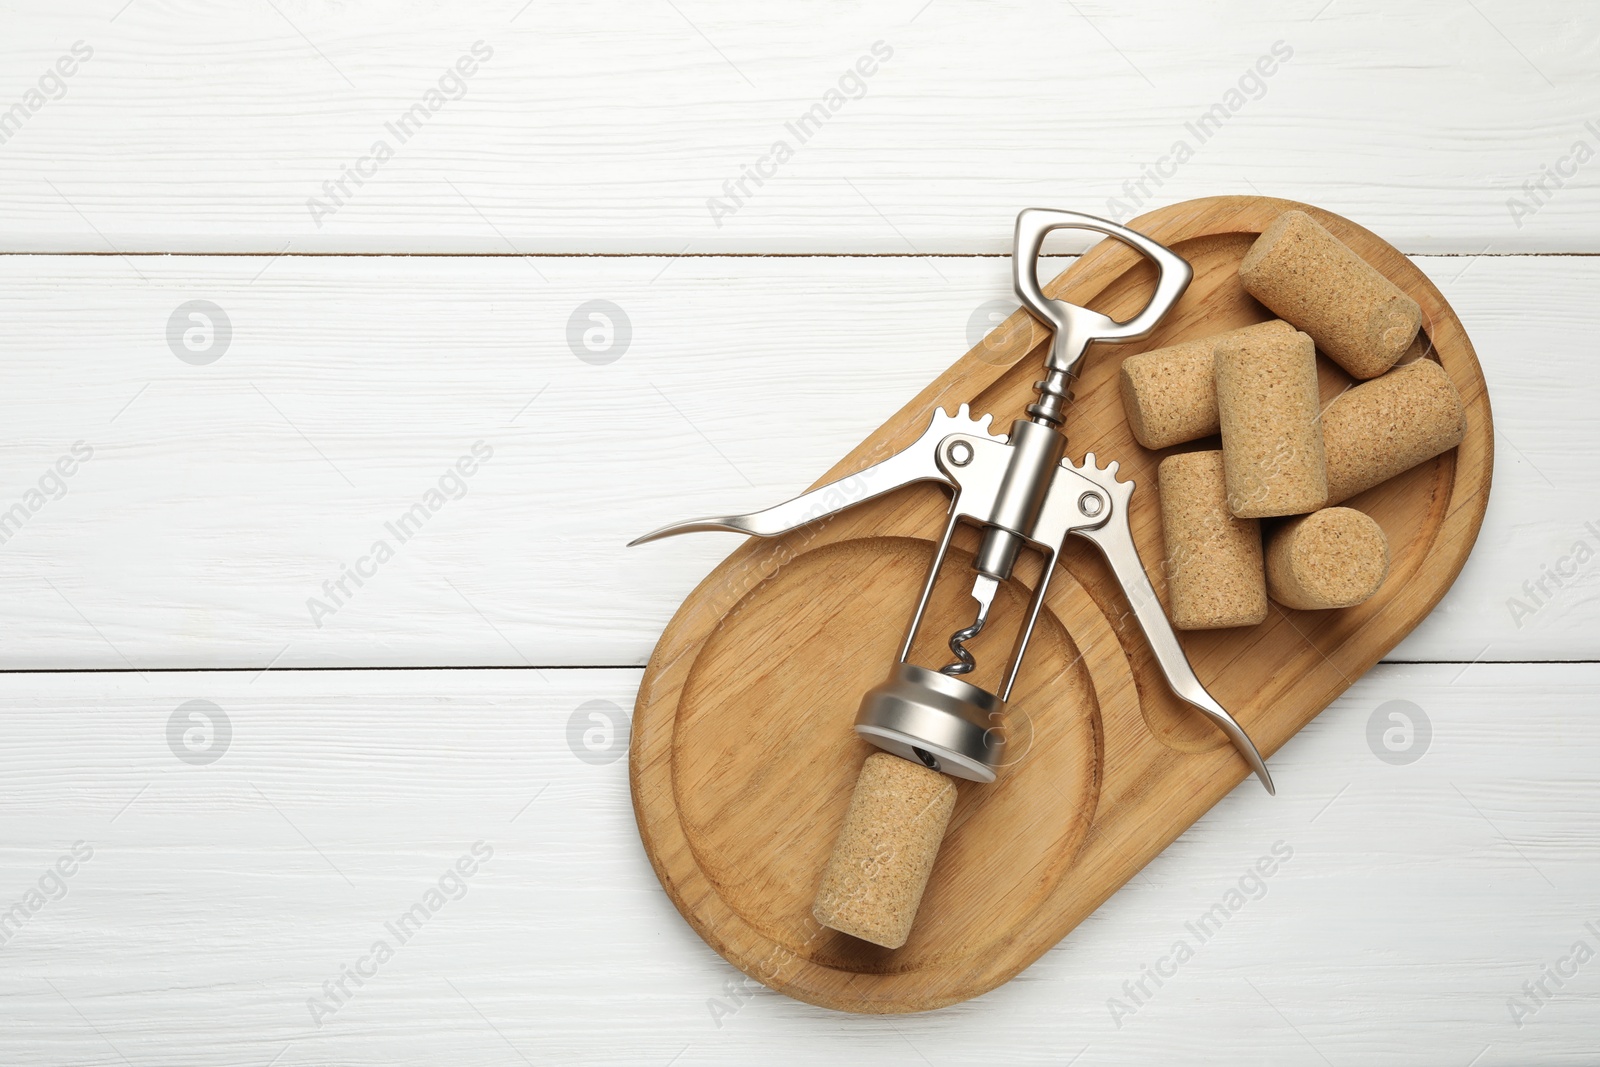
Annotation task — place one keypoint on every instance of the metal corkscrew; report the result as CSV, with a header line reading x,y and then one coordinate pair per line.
x,y
1019,490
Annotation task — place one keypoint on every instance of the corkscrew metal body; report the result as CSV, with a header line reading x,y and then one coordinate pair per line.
x,y
1019,490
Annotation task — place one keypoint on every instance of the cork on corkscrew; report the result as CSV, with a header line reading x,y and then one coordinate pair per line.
x,y
880,865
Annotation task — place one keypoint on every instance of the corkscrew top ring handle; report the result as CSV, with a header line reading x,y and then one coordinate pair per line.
x,y
1075,327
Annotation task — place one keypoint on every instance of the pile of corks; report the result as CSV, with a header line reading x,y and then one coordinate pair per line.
x,y
1281,455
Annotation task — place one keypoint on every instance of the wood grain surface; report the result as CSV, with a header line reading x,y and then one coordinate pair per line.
x,y
207,127
742,756
744,380
1415,903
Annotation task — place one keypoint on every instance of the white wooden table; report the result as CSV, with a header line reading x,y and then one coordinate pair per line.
x,y
182,497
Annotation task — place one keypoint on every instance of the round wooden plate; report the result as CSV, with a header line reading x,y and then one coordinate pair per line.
x,y
743,756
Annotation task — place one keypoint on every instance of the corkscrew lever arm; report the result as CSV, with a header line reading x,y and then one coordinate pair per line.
x,y
914,463
1115,542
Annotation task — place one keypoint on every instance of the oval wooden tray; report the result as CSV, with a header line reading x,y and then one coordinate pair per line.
x,y
743,756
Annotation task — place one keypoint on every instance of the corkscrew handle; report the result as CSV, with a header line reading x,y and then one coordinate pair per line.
x,y
1075,327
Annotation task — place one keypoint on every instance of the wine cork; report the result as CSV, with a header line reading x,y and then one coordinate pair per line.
x,y
1170,394
1307,276
1390,424
1214,567
1333,558
1267,405
885,850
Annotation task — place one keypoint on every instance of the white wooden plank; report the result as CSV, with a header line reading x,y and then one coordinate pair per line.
x,y
219,498
1417,900
208,126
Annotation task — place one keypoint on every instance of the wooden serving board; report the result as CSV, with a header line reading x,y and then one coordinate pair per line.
x,y
743,757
